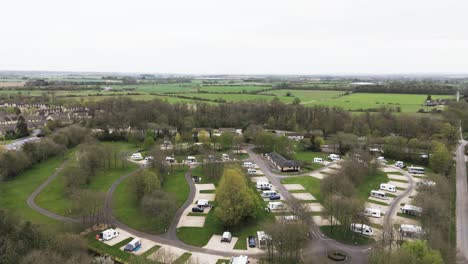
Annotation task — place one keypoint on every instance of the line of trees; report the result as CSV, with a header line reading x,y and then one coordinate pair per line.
x,y
13,163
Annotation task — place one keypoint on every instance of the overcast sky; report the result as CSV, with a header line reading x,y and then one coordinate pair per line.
x,y
235,37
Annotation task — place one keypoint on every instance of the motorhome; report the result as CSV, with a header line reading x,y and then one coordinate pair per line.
x,y
239,260
426,183
381,160
133,245
170,159
416,170
276,206
411,210
226,237
107,234
334,157
362,229
264,185
136,156
372,212
191,160
268,194
251,171
387,187
318,160
378,194
248,164
412,231
225,157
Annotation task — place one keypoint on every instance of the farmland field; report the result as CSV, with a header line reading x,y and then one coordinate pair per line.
x,y
234,88
307,96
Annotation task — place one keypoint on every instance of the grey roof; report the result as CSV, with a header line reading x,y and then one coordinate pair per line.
x,y
282,162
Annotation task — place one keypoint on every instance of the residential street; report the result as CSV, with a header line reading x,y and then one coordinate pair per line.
x,y
462,205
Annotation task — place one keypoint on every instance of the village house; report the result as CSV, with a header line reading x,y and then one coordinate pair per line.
x,y
282,164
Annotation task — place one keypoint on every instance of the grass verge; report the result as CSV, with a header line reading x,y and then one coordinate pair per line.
x,y
182,259
344,235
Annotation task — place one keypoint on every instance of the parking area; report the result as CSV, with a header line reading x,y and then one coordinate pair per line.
x,y
197,221
166,254
216,244
294,187
303,196
121,237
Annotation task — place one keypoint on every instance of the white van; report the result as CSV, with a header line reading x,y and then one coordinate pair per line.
x,y
191,160
318,160
107,234
276,206
226,237
362,229
334,157
264,185
133,245
251,171
400,164
248,164
378,194
372,212
416,170
387,187
225,156
203,203
136,156
267,194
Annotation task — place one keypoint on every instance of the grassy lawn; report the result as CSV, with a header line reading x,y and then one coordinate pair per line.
x,y
222,261
407,216
344,235
371,183
102,248
126,207
52,197
377,202
182,259
307,157
311,184
15,192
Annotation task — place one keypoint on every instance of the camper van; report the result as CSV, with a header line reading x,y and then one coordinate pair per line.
x,y
239,260
362,229
170,159
107,234
268,194
372,212
191,160
416,170
378,194
262,239
226,237
334,157
400,164
133,245
276,206
318,160
264,185
203,203
251,171
248,164
387,187
136,156
225,156
411,210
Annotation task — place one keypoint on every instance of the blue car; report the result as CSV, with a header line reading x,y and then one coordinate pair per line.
x,y
252,241
275,197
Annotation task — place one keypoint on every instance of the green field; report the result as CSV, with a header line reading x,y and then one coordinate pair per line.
x,y
307,96
371,183
311,184
307,157
233,88
126,208
52,197
15,192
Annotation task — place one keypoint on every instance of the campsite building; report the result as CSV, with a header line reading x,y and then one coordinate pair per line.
x,y
282,164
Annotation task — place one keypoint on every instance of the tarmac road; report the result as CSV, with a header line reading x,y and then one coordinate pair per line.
x,y
462,204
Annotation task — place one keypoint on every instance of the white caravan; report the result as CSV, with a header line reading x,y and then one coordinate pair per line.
x,y
334,157
276,206
387,187
416,170
136,156
400,164
191,160
248,164
225,157
378,194
318,160
362,229
251,171
203,203
372,212
107,234
268,194
239,260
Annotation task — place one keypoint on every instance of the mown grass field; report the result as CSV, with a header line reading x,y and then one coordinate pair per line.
x,y
233,88
52,198
307,157
307,96
15,192
126,208
311,184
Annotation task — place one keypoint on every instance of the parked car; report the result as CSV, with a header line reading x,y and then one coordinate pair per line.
x,y
227,237
252,243
275,197
196,178
198,209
